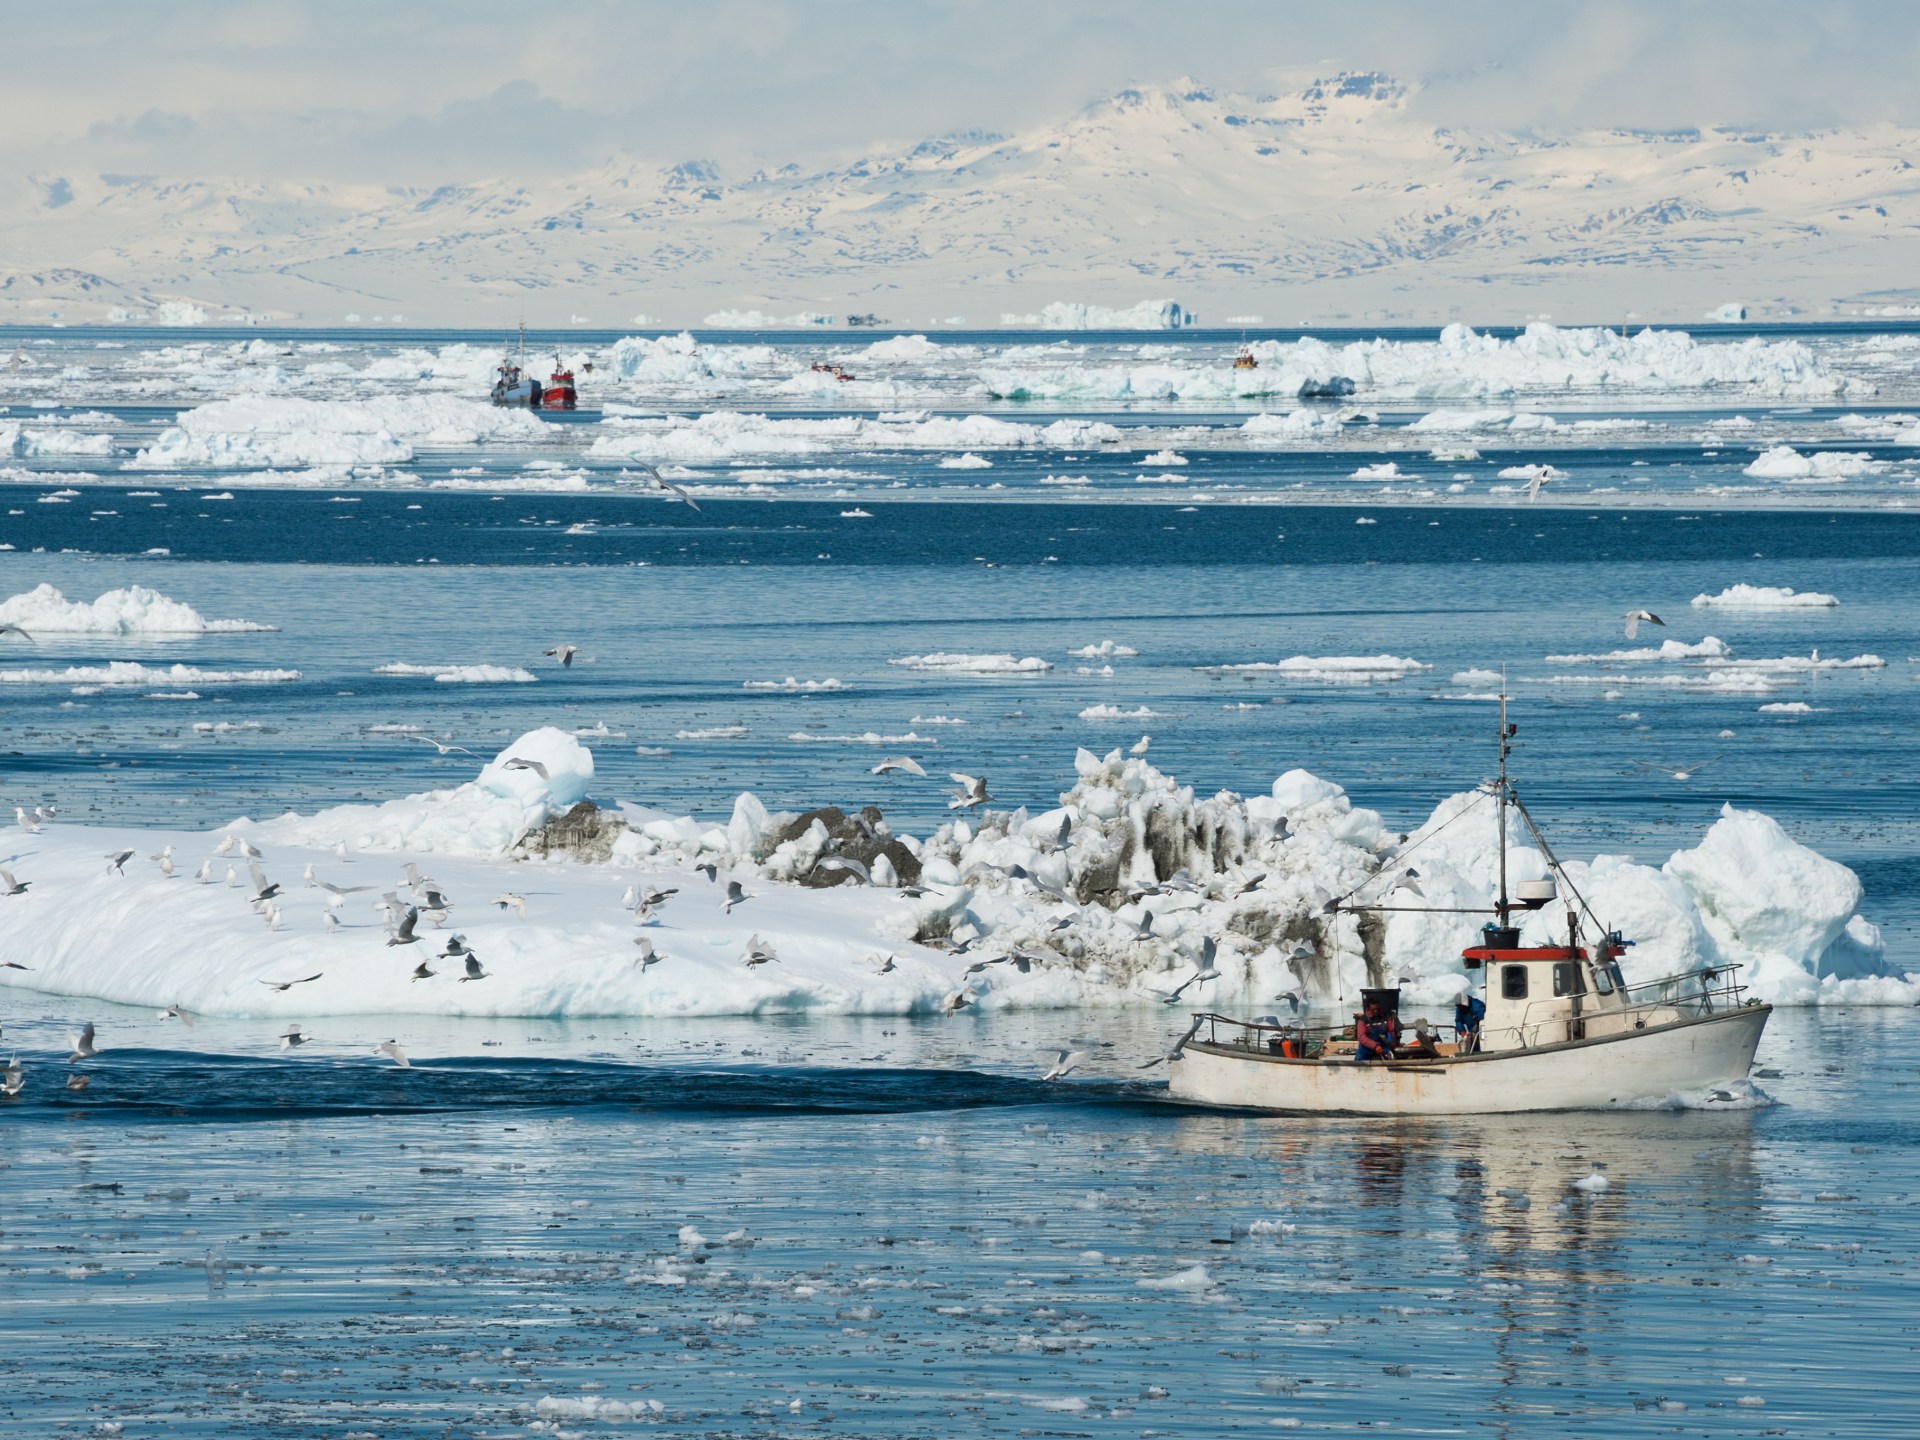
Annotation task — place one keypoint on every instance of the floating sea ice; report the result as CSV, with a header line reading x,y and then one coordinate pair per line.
x,y
461,674
1194,1278
1114,712
973,664
1765,597
1593,1184
1783,462
1103,650
968,461
135,610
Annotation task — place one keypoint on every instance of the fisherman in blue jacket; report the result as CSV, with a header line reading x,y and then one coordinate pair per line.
x,y
1468,1011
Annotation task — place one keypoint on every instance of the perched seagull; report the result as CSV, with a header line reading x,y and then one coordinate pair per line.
x,y
630,897
285,985
225,847
306,877
1139,747
1065,1064
423,972
166,853
291,1038
166,866
847,863
11,886
174,1012
118,859
1634,619
758,953
648,955
340,853
330,922
511,901
404,935
898,762
270,912
43,813
82,1045
392,1048
474,972
667,487
564,653
1686,772
26,821
249,849
735,896
971,794
517,763
233,877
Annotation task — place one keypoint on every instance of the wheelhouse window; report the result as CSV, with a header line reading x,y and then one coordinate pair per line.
x,y
1513,982
1567,979
1603,979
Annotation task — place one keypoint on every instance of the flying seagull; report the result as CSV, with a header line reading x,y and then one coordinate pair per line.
x,y
474,971
847,863
442,747
11,886
735,896
291,1037
423,972
971,794
1635,618
511,901
392,1048
648,955
516,763
758,953
404,935
82,1045
898,762
666,486
1686,772
285,985
174,1012
564,653
118,859
14,630
1065,1064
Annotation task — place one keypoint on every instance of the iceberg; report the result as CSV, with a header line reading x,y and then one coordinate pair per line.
x,y
1764,597
1257,870
1071,315
277,433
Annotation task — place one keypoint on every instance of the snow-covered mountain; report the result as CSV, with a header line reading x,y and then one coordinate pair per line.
x,y
1327,205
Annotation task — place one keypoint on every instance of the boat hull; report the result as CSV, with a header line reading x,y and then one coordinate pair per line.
x,y
1602,1073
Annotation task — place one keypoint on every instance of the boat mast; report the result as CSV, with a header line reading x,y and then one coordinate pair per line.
x,y
1500,797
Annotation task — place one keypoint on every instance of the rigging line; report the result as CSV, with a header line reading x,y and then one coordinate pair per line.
x,y
1559,867
1465,810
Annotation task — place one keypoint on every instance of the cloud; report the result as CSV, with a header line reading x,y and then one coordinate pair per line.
x,y
440,90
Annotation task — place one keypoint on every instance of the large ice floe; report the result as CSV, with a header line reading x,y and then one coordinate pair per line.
x,y
1105,897
1462,364
275,432
1765,597
135,610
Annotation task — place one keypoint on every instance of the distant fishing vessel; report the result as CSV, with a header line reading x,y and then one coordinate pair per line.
x,y
823,367
1245,360
515,384
1557,1027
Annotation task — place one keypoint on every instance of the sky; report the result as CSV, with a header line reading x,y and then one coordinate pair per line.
x,y
433,91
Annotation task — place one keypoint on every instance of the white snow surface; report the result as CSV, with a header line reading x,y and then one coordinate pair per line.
x,y
135,610
1747,894
1765,597
278,432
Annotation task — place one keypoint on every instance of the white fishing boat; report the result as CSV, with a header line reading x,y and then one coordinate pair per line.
x,y
1551,1027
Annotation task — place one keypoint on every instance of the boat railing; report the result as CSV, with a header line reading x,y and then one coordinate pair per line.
x,y
1692,992
1268,1036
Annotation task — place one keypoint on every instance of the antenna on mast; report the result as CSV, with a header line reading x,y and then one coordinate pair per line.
x,y
1500,796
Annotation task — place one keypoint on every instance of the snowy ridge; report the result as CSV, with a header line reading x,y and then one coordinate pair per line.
x,y
135,610
1250,194
1147,872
